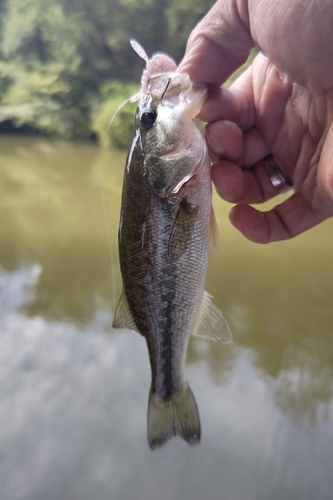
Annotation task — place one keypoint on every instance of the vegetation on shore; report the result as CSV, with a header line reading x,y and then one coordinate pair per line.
x,y
66,65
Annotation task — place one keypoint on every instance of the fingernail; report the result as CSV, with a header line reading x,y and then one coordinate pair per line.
x,y
214,145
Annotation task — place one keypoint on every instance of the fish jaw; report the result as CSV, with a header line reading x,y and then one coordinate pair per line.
x,y
174,149
174,87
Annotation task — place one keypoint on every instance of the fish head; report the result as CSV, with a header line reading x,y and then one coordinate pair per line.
x,y
171,143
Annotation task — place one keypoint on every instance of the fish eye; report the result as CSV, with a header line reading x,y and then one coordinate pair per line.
x,y
148,118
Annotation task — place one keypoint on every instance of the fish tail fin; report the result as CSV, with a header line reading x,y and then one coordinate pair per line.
x,y
178,416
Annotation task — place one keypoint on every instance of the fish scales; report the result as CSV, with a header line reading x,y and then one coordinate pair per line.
x,y
164,294
164,244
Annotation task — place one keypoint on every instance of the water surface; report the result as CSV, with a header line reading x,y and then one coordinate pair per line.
x,y
74,392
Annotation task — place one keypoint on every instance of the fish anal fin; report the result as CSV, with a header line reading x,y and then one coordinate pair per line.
x,y
214,232
211,323
178,416
123,317
182,230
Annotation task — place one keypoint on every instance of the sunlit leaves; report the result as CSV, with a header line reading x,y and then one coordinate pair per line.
x,y
58,56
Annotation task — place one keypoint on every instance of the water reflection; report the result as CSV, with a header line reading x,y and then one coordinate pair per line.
x,y
72,419
51,213
18,287
278,299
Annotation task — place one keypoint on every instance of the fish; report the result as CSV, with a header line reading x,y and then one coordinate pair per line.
x,y
164,237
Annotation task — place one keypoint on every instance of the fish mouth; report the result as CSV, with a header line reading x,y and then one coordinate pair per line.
x,y
170,165
175,88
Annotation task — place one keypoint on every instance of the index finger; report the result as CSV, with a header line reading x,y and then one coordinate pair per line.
x,y
218,45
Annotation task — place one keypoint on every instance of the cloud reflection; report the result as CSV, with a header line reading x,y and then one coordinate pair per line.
x,y
18,287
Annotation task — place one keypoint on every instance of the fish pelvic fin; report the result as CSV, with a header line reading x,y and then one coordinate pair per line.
x,y
211,323
123,317
178,416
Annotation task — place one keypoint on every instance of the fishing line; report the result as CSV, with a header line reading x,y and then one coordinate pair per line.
x,y
166,88
108,232
116,112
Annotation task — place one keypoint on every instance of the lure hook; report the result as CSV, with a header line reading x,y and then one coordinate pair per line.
x,y
166,88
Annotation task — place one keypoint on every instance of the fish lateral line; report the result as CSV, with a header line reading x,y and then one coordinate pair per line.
x,y
210,325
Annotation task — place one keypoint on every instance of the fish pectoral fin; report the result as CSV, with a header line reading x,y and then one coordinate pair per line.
x,y
211,323
123,317
178,416
182,230
167,173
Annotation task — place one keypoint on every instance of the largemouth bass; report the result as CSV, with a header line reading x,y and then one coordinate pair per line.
x,y
164,235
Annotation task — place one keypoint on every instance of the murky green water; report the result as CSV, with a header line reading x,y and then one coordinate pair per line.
x,y
74,392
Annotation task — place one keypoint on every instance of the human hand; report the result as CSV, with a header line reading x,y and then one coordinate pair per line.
x,y
282,106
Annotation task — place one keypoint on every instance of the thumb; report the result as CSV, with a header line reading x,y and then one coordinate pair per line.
x,y
218,45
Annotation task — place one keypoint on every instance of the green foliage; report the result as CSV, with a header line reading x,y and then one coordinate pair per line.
x,y
114,94
40,69
182,17
61,61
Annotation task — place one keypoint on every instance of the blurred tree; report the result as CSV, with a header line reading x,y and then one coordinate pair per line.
x,y
40,63
57,57
182,17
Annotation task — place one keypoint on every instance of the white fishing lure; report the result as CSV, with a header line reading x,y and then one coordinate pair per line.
x,y
159,63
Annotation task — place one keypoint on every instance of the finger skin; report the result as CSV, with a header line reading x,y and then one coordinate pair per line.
x,y
285,221
282,105
302,211
238,185
219,45
223,104
296,35
311,204
225,140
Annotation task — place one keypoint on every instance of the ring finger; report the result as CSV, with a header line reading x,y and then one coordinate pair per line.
x,y
252,185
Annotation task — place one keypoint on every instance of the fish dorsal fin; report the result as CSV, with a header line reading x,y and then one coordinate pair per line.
x,y
123,317
211,324
214,232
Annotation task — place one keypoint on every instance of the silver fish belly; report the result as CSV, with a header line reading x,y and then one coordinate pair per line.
x,y
164,245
